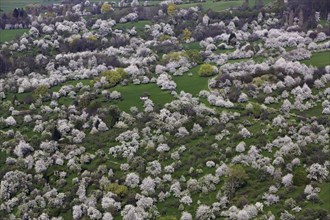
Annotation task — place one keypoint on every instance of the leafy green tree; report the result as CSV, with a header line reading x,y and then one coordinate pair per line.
x,y
120,190
237,175
237,178
186,34
206,69
300,178
40,92
194,56
106,7
171,8
114,76
311,213
114,113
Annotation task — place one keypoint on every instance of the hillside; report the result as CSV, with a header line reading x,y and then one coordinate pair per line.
x,y
165,110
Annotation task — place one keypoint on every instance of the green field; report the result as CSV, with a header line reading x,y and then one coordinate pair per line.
x,y
131,95
8,35
216,6
9,5
192,84
219,5
320,59
139,25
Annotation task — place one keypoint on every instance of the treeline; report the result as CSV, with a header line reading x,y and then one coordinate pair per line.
x,y
18,18
305,11
309,7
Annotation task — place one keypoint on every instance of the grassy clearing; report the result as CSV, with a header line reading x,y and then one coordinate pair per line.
x,y
131,95
324,23
70,82
192,84
256,59
319,59
139,25
325,196
219,5
9,35
216,6
191,46
9,5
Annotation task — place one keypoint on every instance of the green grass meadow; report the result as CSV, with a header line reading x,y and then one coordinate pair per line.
x,y
9,5
192,84
220,5
131,95
8,35
320,59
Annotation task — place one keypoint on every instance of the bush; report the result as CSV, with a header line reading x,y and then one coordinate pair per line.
x,y
114,76
40,91
206,70
120,190
234,93
93,107
194,56
300,178
310,213
237,176
186,34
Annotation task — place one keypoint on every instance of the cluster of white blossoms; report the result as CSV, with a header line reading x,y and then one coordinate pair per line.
x,y
165,82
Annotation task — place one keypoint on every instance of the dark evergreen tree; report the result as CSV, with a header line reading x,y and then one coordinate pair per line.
x,y
21,13
4,64
15,13
14,100
115,114
97,123
56,134
231,37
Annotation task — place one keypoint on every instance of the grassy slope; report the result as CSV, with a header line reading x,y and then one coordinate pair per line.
x,y
219,5
216,6
129,25
319,59
9,5
8,35
139,25
131,95
192,84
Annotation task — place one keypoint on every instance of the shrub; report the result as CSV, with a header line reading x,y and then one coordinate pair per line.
x,y
194,56
310,213
106,7
300,178
40,91
171,9
207,70
120,190
237,175
114,76
93,107
186,34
